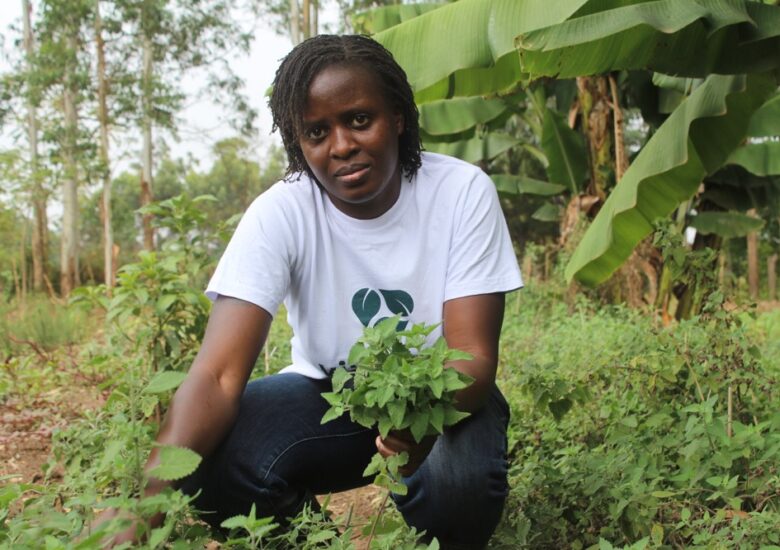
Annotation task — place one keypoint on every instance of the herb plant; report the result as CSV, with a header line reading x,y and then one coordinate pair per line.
x,y
394,382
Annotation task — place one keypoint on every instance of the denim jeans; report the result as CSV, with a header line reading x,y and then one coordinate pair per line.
x,y
278,455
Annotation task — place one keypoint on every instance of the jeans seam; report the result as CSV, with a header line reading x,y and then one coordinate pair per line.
x,y
304,440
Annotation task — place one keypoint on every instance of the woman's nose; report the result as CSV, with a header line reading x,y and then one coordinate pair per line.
x,y
343,144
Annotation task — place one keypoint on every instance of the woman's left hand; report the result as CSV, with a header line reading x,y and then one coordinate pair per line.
x,y
402,441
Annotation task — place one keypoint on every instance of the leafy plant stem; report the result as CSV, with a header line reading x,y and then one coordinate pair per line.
x,y
730,421
377,517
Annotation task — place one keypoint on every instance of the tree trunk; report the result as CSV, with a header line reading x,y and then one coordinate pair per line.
x,y
315,18
146,154
621,160
306,19
771,276
752,261
38,195
105,167
295,22
69,263
593,94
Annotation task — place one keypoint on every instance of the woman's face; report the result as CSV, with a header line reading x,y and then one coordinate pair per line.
x,y
349,139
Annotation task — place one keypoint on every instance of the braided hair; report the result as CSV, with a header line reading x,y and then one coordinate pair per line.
x,y
308,59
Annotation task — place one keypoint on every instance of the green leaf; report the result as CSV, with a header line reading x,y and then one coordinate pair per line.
x,y
320,536
437,387
520,185
385,17
476,149
165,302
766,120
565,150
175,463
560,407
692,38
437,418
726,224
396,410
165,381
484,49
340,377
332,414
452,116
419,426
695,140
761,159
548,212
657,534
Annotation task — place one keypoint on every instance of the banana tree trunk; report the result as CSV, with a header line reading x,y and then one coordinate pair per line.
x,y
771,276
594,98
39,229
752,261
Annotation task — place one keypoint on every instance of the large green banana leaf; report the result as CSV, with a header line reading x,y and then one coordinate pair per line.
x,y
380,19
766,121
507,184
565,150
690,38
476,149
694,141
465,35
728,225
458,115
761,159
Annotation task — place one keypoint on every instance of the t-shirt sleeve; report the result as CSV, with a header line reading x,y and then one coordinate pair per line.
x,y
482,259
256,264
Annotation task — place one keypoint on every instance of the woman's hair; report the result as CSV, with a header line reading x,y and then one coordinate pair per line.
x,y
308,59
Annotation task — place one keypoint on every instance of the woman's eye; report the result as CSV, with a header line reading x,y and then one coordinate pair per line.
x,y
315,133
360,120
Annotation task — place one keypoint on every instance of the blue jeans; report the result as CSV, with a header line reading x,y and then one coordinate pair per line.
x,y
278,455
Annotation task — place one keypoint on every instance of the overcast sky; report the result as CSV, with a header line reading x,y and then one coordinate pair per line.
x,y
202,122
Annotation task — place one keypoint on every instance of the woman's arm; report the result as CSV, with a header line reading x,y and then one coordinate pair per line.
x,y
205,405
473,324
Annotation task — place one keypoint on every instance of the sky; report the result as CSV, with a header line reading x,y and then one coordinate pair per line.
x,y
202,123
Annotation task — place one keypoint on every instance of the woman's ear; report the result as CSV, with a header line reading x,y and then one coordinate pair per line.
x,y
399,123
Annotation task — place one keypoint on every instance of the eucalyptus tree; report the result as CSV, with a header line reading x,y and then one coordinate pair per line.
x,y
62,74
168,40
38,194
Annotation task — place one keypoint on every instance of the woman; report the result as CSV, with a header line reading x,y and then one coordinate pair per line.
x,y
364,226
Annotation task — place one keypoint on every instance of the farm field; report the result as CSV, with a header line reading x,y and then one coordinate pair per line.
x,y
625,433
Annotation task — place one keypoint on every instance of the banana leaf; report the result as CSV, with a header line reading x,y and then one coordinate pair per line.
x,y
475,37
476,149
380,19
458,115
508,184
690,38
766,121
694,141
726,224
566,151
761,159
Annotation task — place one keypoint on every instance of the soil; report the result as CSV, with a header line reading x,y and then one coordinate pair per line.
x,y
26,425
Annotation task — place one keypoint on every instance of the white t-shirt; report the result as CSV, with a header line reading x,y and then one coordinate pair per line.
x,y
444,238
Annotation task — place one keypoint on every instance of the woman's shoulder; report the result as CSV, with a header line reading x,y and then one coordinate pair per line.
x,y
450,174
296,192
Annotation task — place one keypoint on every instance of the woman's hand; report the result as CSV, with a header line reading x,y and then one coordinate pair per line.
x,y
402,441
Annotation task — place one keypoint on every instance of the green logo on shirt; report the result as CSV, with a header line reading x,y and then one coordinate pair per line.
x,y
367,303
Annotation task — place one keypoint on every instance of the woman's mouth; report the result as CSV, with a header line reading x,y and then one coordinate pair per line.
x,y
352,173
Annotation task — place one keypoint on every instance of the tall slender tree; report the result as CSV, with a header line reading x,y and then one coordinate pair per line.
x,y
40,222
